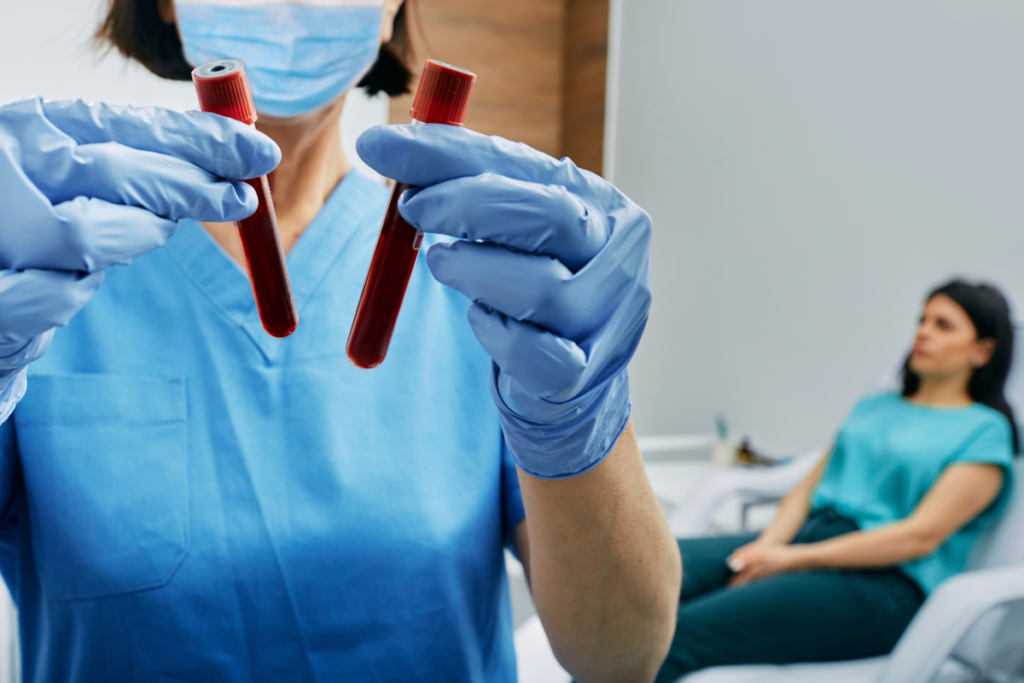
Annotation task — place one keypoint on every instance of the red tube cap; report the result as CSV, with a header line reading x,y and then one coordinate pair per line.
x,y
443,94
223,89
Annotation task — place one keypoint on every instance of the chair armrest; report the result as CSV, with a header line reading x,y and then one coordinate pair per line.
x,y
947,615
694,516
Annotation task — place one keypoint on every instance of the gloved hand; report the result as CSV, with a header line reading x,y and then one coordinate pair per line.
x,y
557,263
86,186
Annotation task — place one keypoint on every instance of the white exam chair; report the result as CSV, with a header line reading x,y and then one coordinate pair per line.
x,y
974,618
971,619
971,628
973,622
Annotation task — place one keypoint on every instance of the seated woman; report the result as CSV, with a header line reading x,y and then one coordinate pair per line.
x,y
912,480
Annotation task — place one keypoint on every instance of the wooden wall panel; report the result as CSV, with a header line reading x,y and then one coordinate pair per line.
x,y
516,50
540,68
586,59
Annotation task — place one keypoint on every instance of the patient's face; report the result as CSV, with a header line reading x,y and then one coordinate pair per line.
x,y
947,343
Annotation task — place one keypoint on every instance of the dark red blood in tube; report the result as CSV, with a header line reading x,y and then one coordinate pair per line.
x,y
385,286
223,89
268,272
442,97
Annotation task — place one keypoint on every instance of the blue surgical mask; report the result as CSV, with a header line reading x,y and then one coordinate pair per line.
x,y
299,55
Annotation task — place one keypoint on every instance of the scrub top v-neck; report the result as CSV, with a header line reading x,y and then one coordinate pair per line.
x,y
185,498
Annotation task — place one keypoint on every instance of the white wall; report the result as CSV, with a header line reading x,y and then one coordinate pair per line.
x,y
46,50
812,168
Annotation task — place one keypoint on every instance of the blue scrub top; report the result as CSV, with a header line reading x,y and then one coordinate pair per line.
x,y
889,454
185,498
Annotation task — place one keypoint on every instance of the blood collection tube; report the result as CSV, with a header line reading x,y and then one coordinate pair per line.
x,y
223,89
442,97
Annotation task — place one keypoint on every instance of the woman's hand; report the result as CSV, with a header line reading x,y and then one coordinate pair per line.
x,y
760,559
557,263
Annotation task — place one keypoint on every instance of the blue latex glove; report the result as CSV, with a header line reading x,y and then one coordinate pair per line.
x,y
557,263
86,186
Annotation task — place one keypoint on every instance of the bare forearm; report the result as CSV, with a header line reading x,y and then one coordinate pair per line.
x,y
883,547
791,516
794,507
604,568
960,494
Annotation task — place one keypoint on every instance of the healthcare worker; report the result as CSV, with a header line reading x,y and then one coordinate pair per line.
x,y
185,498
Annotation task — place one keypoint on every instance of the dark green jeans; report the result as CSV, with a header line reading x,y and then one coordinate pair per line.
x,y
795,617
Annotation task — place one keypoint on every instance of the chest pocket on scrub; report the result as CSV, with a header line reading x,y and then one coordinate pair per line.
x,y
105,460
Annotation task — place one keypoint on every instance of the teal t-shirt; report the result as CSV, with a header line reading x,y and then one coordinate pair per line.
x,y
889,454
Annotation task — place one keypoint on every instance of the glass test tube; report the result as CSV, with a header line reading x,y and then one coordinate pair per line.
x,y
442,97
223,89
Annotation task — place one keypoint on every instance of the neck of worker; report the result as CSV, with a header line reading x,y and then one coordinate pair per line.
x,y
947,391
312,165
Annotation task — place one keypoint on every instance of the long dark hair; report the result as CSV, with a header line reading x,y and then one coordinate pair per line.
x,y
988,310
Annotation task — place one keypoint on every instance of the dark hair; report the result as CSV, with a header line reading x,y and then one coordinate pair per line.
x,y
134,28
990,313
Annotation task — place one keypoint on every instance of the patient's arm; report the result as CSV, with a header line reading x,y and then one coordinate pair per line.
x,y
769,553
960,494
794,507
